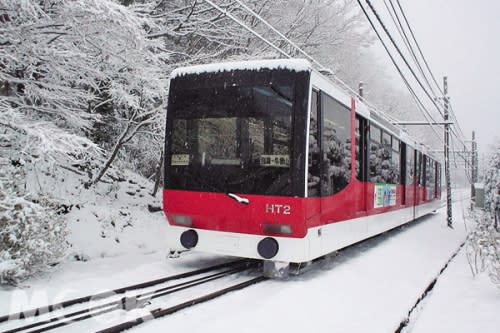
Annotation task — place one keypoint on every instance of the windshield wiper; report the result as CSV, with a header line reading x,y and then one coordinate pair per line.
x,y
241,200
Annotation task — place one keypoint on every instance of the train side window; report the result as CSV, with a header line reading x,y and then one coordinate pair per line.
x,y
418,168
430,180
438,180
375,134
384,160
422,163
375,160
386,139
336,145
313,183
410,165
395,174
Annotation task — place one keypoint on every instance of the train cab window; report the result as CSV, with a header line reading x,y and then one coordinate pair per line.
x,y
231,138
313,183
336,145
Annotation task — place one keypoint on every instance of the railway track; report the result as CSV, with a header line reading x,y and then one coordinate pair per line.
x,y
137,303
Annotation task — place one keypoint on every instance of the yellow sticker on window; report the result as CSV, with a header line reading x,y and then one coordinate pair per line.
x,y
180,159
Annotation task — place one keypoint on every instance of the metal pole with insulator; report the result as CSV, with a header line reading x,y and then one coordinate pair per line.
x,y
447,154
474,163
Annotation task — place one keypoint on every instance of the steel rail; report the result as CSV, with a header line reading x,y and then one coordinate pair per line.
x,y
125,303
61,305
161,312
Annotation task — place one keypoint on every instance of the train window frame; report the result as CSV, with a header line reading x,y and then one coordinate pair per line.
x,y
314,190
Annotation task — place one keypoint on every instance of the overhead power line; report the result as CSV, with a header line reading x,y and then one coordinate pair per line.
x,y
402,32
434,99
243,25
377,16
427,64
421,106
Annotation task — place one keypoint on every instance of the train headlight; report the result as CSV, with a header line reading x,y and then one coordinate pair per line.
x,y
183,220
285,229
268,247
189,239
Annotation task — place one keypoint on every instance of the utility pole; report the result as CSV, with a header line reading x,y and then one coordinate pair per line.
x,y
474,165
447,153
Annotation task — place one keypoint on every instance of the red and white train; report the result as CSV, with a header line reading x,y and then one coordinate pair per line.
x,y
271,160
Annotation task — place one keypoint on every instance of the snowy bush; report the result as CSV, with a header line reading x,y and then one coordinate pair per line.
x,y
32,235
483,248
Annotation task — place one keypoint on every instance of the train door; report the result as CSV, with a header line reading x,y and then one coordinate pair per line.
x,y
416,182
420,181
361,165
402,171
410,182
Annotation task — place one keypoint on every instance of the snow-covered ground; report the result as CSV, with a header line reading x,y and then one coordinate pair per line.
x,y
367,288
460,303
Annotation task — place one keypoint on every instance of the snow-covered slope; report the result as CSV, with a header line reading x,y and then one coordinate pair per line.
x,y
109,219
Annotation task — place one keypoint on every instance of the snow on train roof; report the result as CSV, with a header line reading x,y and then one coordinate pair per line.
x,y
297,65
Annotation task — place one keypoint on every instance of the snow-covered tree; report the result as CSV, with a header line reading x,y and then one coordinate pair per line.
x,y
483,248
32,234
65,61
60,62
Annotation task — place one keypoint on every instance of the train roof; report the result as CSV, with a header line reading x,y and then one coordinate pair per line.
x,y
297,65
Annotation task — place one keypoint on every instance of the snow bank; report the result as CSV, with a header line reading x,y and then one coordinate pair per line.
x,y
297,65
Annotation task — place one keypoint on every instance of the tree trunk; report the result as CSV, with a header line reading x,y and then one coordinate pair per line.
x,y
159,169
119,144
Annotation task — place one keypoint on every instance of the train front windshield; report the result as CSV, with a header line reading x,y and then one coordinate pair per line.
x,y
233,132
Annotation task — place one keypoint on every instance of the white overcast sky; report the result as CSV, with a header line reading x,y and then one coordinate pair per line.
x,y
461,39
